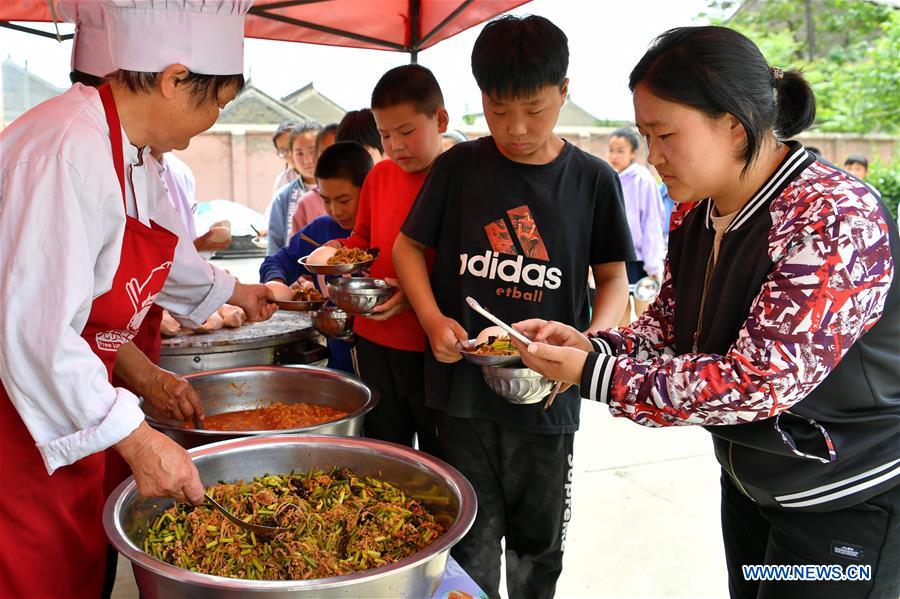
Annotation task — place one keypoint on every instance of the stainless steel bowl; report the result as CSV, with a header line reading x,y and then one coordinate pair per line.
x,y
517,385
441,488
257,386
359,295
333,322
335,269
646,289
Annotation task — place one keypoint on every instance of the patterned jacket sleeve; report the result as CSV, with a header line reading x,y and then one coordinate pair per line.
x,y
831,272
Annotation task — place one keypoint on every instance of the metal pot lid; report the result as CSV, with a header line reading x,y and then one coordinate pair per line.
x,y
284,327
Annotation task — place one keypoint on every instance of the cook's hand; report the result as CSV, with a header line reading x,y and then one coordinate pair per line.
x,y
161,467
257,301
204,243
397,303
556,363
171,395
334,243
445,336
553,333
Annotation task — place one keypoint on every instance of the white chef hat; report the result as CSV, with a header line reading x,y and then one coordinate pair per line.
x,y
90,48
206,36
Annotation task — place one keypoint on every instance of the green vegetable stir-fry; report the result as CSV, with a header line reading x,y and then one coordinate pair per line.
x,y
341,523
497,346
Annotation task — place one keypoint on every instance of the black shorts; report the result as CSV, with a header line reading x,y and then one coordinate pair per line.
x,y
399,378
866,534
523,482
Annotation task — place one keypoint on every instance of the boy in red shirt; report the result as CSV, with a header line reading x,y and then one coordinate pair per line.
x,y
409,110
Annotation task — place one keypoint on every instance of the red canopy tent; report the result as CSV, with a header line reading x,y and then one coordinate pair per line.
x,y
396,25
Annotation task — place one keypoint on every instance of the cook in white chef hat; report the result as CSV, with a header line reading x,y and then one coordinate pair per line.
x,y
90,48
206,36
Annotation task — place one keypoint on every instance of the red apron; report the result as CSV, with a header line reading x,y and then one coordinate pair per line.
x,y
53,540
149,341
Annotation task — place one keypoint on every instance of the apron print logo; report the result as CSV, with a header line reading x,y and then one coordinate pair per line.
x,y
142,296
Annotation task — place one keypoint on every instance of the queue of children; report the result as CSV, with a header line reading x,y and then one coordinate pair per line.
x,y
302,144
517,220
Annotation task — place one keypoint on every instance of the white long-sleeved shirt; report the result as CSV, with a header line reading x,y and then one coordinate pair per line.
x,y
61,230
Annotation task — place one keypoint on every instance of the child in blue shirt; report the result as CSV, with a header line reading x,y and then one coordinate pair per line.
x,y
340,173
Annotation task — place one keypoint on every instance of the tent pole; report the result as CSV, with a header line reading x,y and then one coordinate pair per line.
x,y
415,30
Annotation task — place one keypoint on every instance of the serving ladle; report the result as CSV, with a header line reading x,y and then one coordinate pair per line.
x,y
258,529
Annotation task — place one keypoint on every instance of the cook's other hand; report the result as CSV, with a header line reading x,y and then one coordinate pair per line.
x,y
396,304
553,333
445,336
256,299
565,364
280,290
161,467
171,395
208,241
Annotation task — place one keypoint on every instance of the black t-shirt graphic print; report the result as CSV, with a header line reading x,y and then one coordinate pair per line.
x,y
519,239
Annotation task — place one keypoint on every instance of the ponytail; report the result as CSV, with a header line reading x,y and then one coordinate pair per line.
x,y
795,103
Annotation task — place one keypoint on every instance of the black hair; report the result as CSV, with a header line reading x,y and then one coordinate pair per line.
x,y
359,126
330,128
628,135
283,128
203,87
408,84
857,159
514,57
86,79
345,160
719,71
304,127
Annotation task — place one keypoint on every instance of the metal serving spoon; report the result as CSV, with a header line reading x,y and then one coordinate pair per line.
x,y
254,528
518,335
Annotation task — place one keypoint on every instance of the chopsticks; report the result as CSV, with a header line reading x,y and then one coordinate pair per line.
x,y
310,240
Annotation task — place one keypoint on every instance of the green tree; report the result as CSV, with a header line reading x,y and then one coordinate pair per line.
x,y
847,49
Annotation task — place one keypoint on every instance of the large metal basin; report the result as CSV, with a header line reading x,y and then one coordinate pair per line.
x,y
257,386
439,486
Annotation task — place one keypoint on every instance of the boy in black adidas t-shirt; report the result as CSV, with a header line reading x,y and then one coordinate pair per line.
x,y
516,220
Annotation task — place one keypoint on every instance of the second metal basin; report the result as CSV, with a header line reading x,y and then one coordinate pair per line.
x,y
258,386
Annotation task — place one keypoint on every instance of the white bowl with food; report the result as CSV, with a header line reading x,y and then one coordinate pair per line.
x,y
327,260
492,347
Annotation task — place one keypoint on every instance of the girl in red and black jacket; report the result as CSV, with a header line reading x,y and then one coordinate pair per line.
x,y
777,326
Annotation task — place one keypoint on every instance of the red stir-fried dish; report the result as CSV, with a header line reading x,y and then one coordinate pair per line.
x,y
277,416
341,523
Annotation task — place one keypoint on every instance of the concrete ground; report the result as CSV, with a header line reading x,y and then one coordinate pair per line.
x,y
645,520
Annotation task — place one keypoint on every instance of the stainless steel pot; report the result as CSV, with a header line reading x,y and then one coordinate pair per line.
x,y
286,338
257,386
444,491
